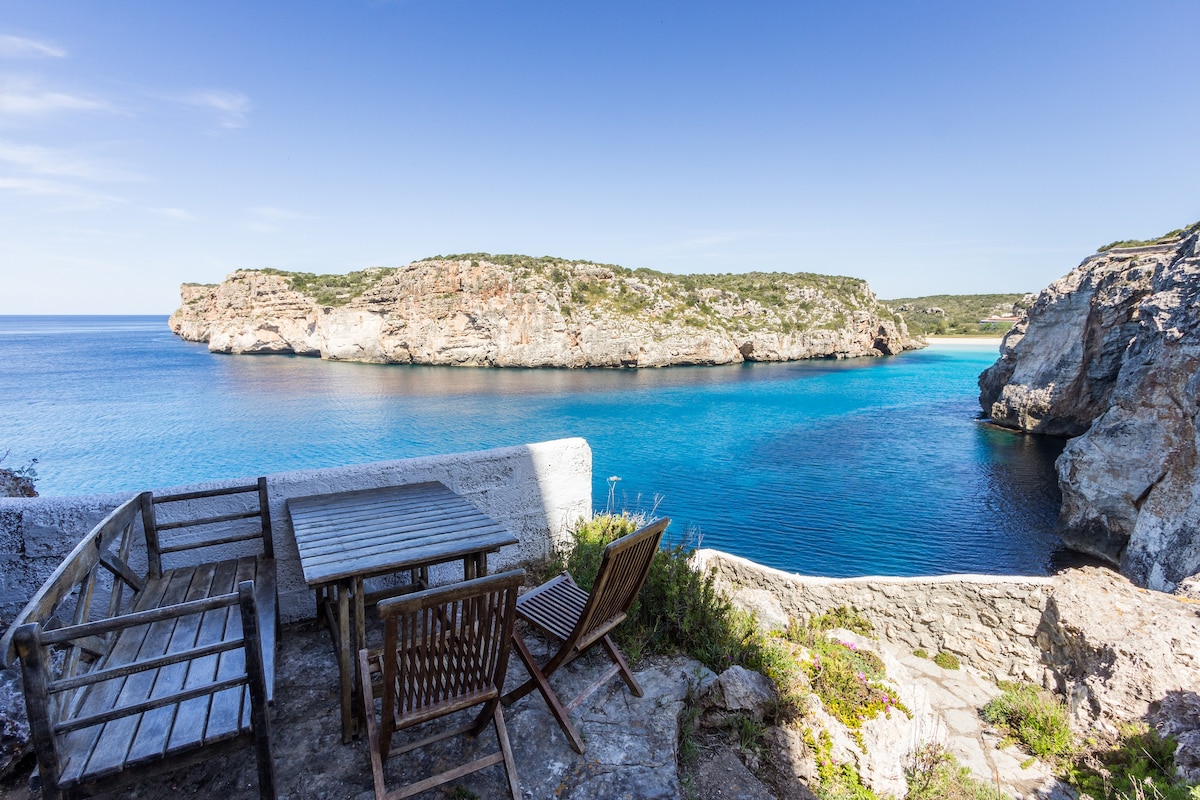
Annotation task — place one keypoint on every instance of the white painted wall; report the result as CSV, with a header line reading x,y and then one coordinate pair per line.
x,y
536,491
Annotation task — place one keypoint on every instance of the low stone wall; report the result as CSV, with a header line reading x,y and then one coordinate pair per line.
x,y
990,622
1115,651
536,491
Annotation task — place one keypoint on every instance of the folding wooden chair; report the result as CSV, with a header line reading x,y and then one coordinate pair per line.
x,y
445,650
560,609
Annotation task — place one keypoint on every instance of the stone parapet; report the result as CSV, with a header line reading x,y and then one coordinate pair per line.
x,y
536,491
1115,651
989,621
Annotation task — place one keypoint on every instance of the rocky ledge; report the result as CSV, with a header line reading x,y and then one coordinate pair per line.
x,y
515,311
1110,355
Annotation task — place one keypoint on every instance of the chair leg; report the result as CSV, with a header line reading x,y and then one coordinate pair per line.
x,y
530,666
484,718
619,660
510,764
373,744
537,680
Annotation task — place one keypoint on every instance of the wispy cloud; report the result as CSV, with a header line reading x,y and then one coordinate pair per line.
x,y
699,241
59,162
177,214
233,108
20,47
269,219
26,97
76,197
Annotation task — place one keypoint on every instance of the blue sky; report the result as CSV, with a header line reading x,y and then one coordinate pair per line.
x,y
928,147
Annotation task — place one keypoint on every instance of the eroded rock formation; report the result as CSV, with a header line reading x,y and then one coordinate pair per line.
x,y
541,313
1110,354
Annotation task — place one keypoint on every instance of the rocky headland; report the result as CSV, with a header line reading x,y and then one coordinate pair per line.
x,y
516,311
1110,355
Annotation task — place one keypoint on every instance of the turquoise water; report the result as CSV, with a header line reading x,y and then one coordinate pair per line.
x,y
871,466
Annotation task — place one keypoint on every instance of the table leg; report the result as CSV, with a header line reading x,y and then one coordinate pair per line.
x,y
360,641
345,661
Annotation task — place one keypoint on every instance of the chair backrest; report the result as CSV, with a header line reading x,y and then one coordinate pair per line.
x,y
623,569
445,649
207,518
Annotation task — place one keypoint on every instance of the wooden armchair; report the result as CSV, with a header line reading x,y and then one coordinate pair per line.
x,y
560,609
445,650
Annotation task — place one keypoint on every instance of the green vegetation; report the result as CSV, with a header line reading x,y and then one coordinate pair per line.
x,y
931,774
332,290
946,660
1033,717
680,610
848,679
934,774
1139,764
835,781
920,653
788,300
773,288
957,314
842,617
558,268
1166,237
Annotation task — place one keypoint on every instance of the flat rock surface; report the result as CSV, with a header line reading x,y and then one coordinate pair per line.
x,y
721,775
957,696
631,742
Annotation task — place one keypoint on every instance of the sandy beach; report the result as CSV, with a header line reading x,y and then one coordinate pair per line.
x,y
966,341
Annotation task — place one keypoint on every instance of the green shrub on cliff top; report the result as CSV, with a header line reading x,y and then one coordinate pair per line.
x,y
790,302
960,313
1166,237
332,290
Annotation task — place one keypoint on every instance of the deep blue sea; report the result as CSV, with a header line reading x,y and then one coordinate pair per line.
x,y
838,468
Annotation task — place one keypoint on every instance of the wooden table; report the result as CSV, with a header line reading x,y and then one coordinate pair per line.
x,y
346,537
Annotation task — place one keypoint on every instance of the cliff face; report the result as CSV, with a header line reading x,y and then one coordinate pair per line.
x,y
541,313
1110,354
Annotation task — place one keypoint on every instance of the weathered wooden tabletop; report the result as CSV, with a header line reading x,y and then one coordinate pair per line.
x,y
369,532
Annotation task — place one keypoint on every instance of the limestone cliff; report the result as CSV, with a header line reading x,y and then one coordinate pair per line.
x,y
1110,354
513,311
